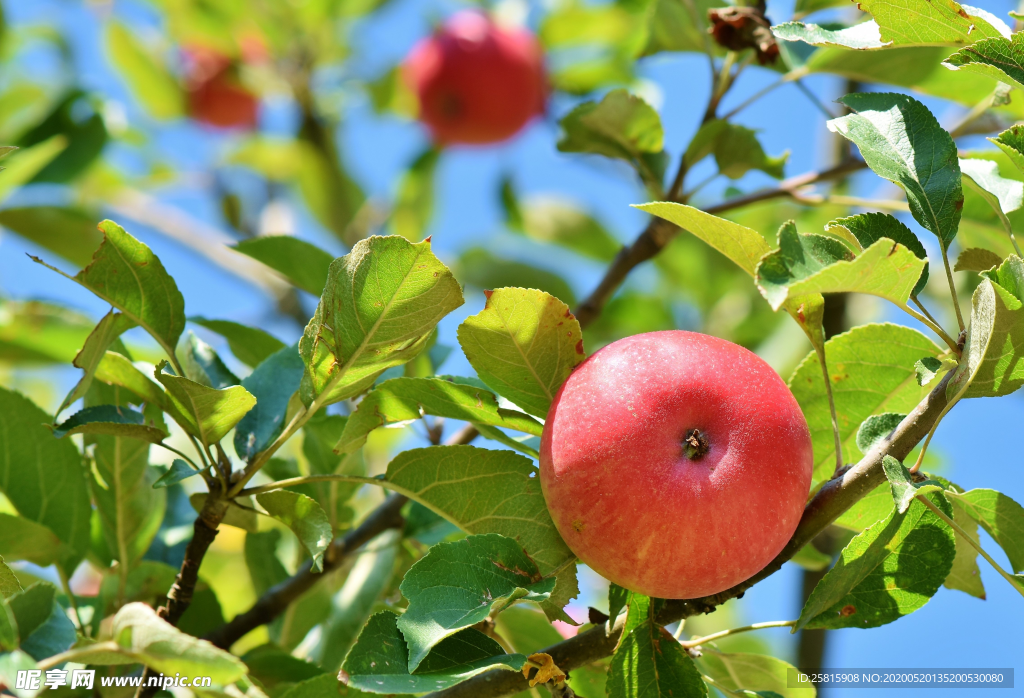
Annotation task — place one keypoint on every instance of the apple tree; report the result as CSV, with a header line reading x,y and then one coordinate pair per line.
x,y
337,514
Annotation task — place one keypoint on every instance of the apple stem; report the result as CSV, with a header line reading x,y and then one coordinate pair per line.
x,y
695,445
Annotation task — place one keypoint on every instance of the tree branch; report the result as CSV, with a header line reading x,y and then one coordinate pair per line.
x,y
278,598
660,232
832,499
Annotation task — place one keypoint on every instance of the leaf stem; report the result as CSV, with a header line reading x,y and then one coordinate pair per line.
x,y
938,421
933,326
188,460
308,479
733,631
77,652
66,583
952,287
1014,582
814,99
753,98
832,408
924,310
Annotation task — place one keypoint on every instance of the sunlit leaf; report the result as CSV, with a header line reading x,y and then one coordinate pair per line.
x,y
302,263
456,585
379,308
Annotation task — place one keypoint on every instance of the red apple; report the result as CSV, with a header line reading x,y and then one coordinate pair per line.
x,y
675,464
477,82
216,96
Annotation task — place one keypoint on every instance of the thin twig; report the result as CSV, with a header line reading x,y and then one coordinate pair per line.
x,y
696,642
753,98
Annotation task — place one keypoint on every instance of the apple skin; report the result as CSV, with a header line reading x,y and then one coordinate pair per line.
x,y
628,501
216,97
477,82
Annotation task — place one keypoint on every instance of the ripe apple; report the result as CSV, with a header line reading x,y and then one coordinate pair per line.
x,y
675,464
216,96
477,82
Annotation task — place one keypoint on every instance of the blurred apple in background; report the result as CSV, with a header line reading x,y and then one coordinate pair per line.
x,y
216,95
477,82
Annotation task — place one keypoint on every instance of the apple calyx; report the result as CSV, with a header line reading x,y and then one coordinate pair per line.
x,y
695,445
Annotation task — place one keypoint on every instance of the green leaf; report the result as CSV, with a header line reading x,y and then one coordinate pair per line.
x,y
740,244
202,365
991,365
865,229
55,635
877,427
33,332
13,663
620,126
274,668
8,625
483,491
110,420
112,326
115,369
37,469
1003,195
889,570
129,510
9,583
751,672
554,220
414,202
923,23
22,539
69,232
32,607
305,265
209,414
810,558
456,585
863,36
523,345
325,686
1001,517
977,259
126,274
148,79
929,367
479,267
965,575
22,167
736,150
150,640
649,663
272,383
807,264
1011,142
617,600
179,470
1000,58
401,399
379,308
526,630
353,603
250,345
567,588
379,661
871,368
745,247
901,141
304,517
902,484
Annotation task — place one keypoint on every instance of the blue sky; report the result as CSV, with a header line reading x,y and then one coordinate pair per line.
x,y
979,440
